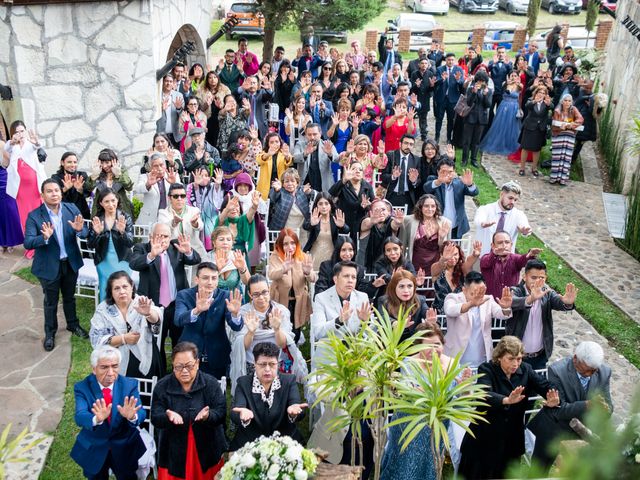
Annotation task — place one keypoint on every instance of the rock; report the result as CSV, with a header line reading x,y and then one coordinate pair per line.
x,y
30,65
85,75
120,66
47,128
110,131
90,156
57,20
37,12
141,93
5,33
130,120
72,131
144,66
100,100
91,20
67,50
27,32
58,101
125,34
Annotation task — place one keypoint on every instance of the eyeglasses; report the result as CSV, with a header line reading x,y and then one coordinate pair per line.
x,y
186,366
263,293
326,68
270,365
179,195
193,104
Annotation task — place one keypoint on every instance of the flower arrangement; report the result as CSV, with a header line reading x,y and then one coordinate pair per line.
x,y
270,458
631,449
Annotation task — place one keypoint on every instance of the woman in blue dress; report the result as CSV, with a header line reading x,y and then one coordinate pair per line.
x,y
111,235
341,131
10,229
416,461
502,136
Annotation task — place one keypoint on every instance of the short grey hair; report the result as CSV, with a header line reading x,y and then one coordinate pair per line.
x,y
512,187
152,228
156,156
104,351
590,353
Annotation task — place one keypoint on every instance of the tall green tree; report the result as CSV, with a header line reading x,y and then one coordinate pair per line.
x,y
593,8
532,17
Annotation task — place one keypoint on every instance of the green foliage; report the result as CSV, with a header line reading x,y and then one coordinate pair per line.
x,y
137,206
611,147
11,451
532,17
343,14
632,226
593,8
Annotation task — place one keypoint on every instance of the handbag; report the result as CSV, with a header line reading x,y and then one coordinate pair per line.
x,y
461,108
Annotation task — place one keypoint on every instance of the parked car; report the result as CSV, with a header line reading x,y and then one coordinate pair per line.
x,y
251,20
514,6
428,6
562,6
421,26
475,6
576,37
610,4
498,34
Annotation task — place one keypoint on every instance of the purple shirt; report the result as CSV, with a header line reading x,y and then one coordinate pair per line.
x,y
500,272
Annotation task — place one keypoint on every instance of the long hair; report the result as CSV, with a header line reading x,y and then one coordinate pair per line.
x,y
457,269
553,35
328,198
101,194
279,246
417,210
393,302
395,241
342,239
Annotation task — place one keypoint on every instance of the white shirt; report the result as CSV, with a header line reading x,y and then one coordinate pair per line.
x,y
475,352
514,219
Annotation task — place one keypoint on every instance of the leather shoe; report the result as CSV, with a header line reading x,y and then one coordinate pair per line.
x,y
49,344
79,332
474,164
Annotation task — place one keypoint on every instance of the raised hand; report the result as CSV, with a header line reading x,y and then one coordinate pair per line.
x,y
345,312
276,185
478,295
525,230
202,414
121,224
77,224
184,244
515,396
234,302
245,414
570,294
338,218
553,398
350,146
365,202
67,182
467,177
347,174
395,172
420,277
156,247
443,229
413,175
130,408
537,291
218,175
78,183
177,220
327,146
172,175
335,119
307,264
432,315
33,137
534,252
506,299
296,409
364,312
315,217
97,225
381,146
379,282
255,199
253,132
239,261
194,220
288,262
101,410
251,321
174,417
143,307
451,151
275,319
203,302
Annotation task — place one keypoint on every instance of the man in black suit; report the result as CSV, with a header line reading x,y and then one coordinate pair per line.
x,y
499,69
400,177
388,56
52,230
582,381
436,54
423,81
161,263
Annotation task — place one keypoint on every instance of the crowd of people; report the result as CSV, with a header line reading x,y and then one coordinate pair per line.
x,y
307,171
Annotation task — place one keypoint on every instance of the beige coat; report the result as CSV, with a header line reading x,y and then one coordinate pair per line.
x,y
281,284
408,232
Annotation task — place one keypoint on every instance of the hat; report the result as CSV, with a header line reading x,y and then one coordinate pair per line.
x,y
570,65
195,131
243,178
324,43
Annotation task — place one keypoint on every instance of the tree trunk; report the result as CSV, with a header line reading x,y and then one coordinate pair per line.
x,y
353,445
269,39
437,458
379,440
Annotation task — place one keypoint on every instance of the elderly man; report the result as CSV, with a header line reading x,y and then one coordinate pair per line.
x,y
582,382
201,153
51,231
182,218
161,263
108,411
313,158
154,186
258,99
502,216
172,105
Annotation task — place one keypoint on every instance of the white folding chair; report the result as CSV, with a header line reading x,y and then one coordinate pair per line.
x,y
402,208
426,287
377,178
441,320
498,325
464,244
145,388
141,233
87,285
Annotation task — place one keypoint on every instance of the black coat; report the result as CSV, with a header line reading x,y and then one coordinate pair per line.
x,y
425,90
73,196
350,203
121,241
584,104
501,440
314,231
209,434
386,178
536,120
325,280
265,420
480,104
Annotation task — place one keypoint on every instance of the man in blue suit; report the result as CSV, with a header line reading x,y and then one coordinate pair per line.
x,y
203,311
450,191
109,438
534,58
448,87
52,230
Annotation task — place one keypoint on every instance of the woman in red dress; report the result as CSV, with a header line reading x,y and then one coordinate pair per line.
x,y
400,123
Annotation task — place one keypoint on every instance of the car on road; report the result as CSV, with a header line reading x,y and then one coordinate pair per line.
x,y
475,6
514,6
610,4
420,24
250,20
428,6
562,6
498,34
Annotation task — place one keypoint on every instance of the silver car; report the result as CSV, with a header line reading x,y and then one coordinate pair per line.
x,y
475,6
514,6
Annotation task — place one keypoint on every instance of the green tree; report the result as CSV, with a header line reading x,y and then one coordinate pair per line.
x,y
532,17
593,8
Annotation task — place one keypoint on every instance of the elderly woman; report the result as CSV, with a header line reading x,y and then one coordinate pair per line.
x,y
191,117
109,173
183,219
289,205
188,409
566,119
128,322
499,441
361,151
266,401
162,144
232,266
264,321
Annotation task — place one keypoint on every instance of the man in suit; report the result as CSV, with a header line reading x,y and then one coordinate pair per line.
x,y
423,80
172,105
534,58
154,186
533,304
400,176
499,69
450,191
414,64
339,309
469,315
108,411
202,312
52,230
228,72
436,54
258,100
161,263
313,158
448,87
387,55
321,111
307,61
582,382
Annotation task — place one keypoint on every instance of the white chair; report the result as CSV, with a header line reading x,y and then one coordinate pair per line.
x,y
441,320
145,388
403,208
498,325
141,233
464,243
426,287
377,177
87,285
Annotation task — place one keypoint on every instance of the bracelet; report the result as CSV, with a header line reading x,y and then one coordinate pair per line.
x,y
242,272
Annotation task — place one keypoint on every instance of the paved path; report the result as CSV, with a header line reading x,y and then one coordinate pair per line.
x,y
32,381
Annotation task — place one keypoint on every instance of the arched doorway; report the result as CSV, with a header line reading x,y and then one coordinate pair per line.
x,y
188,33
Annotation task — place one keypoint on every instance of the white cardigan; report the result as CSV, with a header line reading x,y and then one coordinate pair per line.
x,y
28,153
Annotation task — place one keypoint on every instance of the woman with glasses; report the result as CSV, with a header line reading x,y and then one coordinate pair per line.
x,y
190,118
189,410
266,401
128,322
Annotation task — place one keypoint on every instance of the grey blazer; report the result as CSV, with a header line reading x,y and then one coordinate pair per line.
x,y
161,123
302,163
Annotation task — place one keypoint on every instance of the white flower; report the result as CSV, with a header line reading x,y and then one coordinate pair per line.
x,y
247,460
301,475
637,458
293,453
273,472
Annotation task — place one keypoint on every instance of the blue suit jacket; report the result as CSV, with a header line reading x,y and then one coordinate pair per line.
x,y
455,87
46,262
459,192
208,331
119,436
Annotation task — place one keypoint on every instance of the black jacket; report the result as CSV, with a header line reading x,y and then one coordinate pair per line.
x,y
386,178
382,52
534,120
121,241
325,280
73,196
191,163
584,104
265,420
417,316
209,434
314,231
480,104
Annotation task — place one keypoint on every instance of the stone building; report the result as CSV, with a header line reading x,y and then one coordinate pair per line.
x,y
83,74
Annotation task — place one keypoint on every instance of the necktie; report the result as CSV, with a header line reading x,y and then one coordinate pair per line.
x,y
448,79
163,195
403,170
500,226
252,118
316,114
165,292
108,399
389,62
584,381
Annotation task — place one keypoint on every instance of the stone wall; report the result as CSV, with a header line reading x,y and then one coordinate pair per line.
x,y
620,79
83,74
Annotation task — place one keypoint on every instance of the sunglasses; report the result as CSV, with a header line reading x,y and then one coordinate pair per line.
x,y
179,195
327,68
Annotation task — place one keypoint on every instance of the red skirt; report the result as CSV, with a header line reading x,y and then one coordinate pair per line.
x,y
193,471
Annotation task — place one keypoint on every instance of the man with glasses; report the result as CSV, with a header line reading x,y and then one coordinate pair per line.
x,y
161,263
183,219
154,186
202,312
320,110
228,72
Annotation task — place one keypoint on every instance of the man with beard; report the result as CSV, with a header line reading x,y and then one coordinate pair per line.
x,y
502,216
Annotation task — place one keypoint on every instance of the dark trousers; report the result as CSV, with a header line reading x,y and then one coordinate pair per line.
x,y
445,108
422,118
64,283
438,113
400,200
472,133
170,328
109,463
537,363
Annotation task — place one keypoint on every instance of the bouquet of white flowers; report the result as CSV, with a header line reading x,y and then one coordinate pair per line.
x,y
270,458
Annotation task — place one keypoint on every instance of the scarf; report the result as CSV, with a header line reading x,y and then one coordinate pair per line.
x,y
258,388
